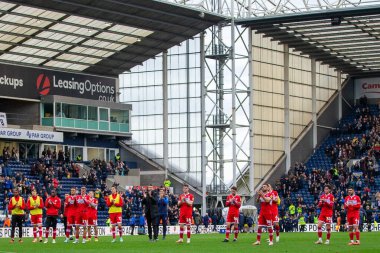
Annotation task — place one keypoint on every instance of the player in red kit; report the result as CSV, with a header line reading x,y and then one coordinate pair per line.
x,y
115,209
352,204
185,203
326,203
265,197
274,206
92,212
70,209
53,205
233,202
35,205
82,201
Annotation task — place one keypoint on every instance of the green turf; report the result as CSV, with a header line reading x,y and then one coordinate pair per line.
x,y
290,243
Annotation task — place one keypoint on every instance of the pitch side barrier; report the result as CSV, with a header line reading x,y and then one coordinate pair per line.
x,y
171,230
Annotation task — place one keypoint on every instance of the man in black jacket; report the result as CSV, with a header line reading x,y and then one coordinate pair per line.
x,y
150,203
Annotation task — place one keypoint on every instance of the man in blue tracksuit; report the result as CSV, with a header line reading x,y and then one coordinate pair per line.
x,y
163,203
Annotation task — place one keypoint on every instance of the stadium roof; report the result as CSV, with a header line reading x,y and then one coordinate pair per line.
x,y
104,37
346,39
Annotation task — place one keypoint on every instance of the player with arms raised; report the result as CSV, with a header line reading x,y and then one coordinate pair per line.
x,y
326,203
352,204
115,203
275,203
233,202
185,203
265,198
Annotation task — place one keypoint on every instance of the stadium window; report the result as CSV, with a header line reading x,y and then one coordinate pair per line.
x,y
120,116
48,110
92,113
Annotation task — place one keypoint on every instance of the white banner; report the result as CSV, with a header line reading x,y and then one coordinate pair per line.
x,y
367,86
3,120
32,135
171,230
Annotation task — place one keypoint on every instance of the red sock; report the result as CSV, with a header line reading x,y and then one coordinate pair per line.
x,y
277,227
227,234
236,232
84,236
113,232
319,233
54,233
270,230
188,232
328,234
34,232
357,235
47,233
120,232
351,236
259,231
181,232
40,231
68,229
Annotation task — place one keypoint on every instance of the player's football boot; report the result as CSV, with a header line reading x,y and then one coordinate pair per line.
x,y
12,241
188,240
319,242
351,243
75,241
20,241
357,243
277,238
179,241
89,239
46,241
53,241
84,240
113,241
256,243
270,243
121,239
235,240
96,239
66,240
226,240
40,239
34,240
327,242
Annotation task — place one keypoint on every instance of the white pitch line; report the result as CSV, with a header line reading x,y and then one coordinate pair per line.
x,y
7,252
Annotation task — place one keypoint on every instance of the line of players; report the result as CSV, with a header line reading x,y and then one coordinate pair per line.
x,y
269,201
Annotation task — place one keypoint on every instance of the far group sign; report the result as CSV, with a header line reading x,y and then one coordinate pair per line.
x,y
32,135
370,87
32,83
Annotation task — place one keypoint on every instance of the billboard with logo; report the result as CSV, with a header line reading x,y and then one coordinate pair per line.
x,y
367,86
32,83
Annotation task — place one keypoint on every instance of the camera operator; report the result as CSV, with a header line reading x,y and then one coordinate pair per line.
x,y
150,203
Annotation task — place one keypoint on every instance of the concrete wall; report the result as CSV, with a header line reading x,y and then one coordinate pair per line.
x,y
21,112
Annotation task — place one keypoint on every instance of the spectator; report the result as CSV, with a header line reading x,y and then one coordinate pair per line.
x,y
206,221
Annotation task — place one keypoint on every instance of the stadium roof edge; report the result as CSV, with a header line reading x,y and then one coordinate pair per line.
x,y
105,37
345,39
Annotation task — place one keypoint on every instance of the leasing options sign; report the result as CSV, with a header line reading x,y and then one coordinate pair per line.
x,y
32,83
367,86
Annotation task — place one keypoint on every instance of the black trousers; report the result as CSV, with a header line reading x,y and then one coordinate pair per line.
x,y
17,221
152,225
164,219
51,222
132,227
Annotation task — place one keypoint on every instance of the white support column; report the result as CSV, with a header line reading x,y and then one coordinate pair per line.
x,y
233,82
251,116
286,108
314,102
203,122
340,96
165,117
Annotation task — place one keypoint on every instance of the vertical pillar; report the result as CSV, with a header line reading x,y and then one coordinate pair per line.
x,y
286,108
340,97
233,82
203,121
165,111
251,116
314,102
188,106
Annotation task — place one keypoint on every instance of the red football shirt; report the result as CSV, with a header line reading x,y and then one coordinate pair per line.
x,y
93,207
326,203
265,207
185,208
234,203
352,204
70,205
53,205
274,206
82,202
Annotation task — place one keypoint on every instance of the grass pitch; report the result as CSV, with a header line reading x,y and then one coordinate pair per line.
x,y
210,243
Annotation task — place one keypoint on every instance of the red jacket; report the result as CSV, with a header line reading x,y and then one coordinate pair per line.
x,y
53,205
